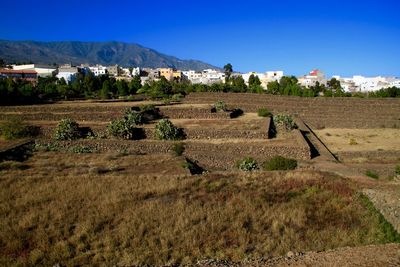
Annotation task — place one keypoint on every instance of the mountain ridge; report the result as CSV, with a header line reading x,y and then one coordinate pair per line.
x,y
86,52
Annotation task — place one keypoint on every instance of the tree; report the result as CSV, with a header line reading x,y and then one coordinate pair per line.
x,y
238,84
2,63
135,84
228,69
122,88
273,87
105,90
335,88
254,83
289,86
91,85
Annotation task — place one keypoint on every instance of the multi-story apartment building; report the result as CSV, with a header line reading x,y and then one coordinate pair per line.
x,y
167,73
114,70
26,75
41,70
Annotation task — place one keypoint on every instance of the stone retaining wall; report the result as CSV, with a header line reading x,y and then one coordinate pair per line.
x,y
192,113
377,156
202,132
209,155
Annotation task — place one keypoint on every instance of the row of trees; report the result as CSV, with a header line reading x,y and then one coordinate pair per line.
x,y
104,87
50,88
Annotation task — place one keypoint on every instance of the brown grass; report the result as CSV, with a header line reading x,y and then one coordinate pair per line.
x,y
360,139
95,209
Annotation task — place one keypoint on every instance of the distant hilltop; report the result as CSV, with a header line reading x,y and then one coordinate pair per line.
x,y
106,53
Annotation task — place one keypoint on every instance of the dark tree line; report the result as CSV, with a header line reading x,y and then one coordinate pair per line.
x,y
104,87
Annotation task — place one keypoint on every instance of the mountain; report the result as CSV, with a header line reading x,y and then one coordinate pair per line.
x,y
105,53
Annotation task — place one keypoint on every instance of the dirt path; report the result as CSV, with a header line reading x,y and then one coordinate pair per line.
x,y
375,255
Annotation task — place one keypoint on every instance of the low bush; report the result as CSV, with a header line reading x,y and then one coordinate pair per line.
x,y
15,128
166,130
81,149
264,112
284,121
220,106
397,170
146,108
126,127
237,112
280,163
150,112
193,167
67,129
133,116
372,174
247,164
123,128
353,142
177,97
178,149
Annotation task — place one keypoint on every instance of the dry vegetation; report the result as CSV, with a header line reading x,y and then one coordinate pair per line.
x,y
94,209
360,139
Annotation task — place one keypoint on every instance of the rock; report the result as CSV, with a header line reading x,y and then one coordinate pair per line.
x,y
290,254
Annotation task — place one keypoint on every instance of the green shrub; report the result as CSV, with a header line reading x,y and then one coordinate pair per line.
x,y
264,112
220,106
166,100
146,108
372,174
176,97
165,130
279,163
247,164
126,127
67,129
15,128
178,149
397,170
150,112
193,167
353,142
81,149
284,121
133,116
122,128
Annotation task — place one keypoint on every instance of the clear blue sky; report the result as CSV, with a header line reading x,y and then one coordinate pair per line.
x,y
339,37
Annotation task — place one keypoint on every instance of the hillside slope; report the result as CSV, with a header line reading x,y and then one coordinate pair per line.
x,y
106,53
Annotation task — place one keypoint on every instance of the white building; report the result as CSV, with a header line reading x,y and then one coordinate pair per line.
x,y
211,76
265,78
395,83
272,76
127,71
368,84
360,83
312,78
98,70
67,72
42,70
193,76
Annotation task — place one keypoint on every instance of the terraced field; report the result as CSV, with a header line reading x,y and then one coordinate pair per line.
x,y
134,202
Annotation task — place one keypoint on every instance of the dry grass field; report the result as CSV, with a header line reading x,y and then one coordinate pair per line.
x,y
117,209
360,139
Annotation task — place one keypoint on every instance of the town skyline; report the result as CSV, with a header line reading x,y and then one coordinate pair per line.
x,y
340,38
